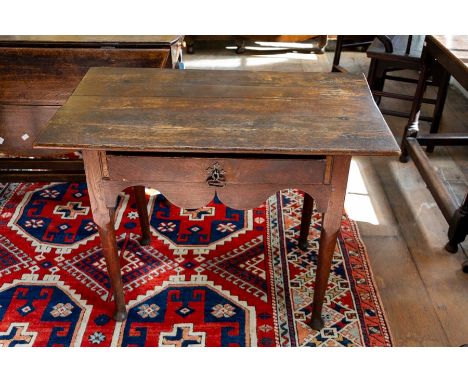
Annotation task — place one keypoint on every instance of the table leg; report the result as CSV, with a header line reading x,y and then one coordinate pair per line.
x,y
331,223
103,216
307,210
142,208
330,228
110,251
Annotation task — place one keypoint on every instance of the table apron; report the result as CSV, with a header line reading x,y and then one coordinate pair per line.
x,y
237,196
242,183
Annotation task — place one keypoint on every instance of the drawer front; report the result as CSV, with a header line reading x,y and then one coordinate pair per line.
x,y
239,183
216,172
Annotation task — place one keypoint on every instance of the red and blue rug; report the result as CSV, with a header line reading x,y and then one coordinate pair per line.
x,y
211,277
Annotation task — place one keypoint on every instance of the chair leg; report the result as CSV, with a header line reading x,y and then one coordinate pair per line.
x,y
142,209
337,56
322,43
305,221
376,78
379,85
443,82
412,126
240,43
371,73
190,45
458,227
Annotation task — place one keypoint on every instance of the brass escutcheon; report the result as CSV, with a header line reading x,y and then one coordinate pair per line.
x,y
216,176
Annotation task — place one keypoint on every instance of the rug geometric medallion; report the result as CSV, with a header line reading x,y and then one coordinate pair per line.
x,y
211,277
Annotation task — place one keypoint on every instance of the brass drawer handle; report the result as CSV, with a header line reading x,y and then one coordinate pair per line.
x,y
216,176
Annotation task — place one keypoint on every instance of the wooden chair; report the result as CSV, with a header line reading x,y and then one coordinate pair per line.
x,y
352,42
394,53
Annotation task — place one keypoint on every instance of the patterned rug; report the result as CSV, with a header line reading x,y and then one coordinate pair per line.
x,y
211,277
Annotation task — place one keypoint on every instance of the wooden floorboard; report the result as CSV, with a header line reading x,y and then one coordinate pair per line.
x,y
412,318
422,287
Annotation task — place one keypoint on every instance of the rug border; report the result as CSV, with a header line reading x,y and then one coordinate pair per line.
x,y
363,252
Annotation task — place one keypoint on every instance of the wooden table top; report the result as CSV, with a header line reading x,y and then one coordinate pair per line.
x,y
209,111
82,40
453,54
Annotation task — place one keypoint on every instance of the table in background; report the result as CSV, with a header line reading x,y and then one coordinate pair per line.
x,y
39,73
319,42
244,135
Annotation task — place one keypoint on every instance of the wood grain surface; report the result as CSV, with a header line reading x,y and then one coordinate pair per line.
x,y
48,76
119,40
134,109
451,51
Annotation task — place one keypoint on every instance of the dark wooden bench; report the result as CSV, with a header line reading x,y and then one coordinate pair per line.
x,y
39,73
450,53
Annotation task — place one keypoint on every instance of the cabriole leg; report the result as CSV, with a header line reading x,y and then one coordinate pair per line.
x,y
330,227
142,208
103,216
307,210
110,251
331,224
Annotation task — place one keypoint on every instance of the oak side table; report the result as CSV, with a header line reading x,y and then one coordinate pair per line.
x,y
241,134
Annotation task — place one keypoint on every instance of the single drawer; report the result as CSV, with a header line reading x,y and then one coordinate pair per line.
x,y
217,171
